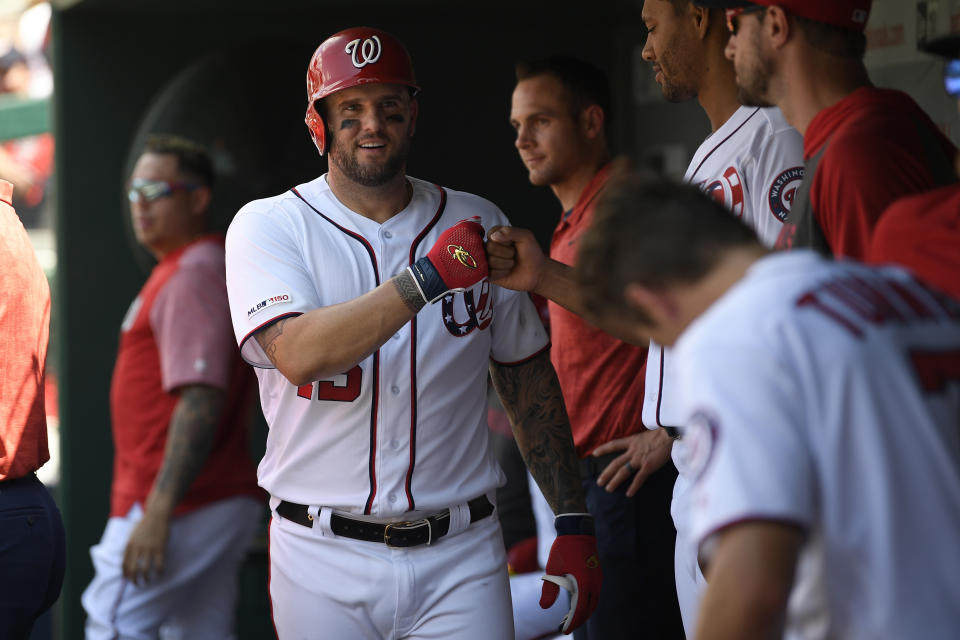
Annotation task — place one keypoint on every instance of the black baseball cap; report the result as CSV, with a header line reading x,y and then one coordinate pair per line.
x,y
946,46
722,4
849,14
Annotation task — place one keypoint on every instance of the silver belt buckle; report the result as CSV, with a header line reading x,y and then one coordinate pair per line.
x,y
407,524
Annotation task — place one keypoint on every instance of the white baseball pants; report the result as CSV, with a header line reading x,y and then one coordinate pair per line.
x,y
196,595
325,586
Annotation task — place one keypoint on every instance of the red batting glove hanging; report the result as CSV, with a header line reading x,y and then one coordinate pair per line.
x,y
573,565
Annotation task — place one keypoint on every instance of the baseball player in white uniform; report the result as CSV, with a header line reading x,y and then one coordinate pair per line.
x,y
752,163
821,402
362,299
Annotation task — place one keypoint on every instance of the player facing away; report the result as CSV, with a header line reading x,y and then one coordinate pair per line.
x,y
922,231
32,539
363,301
751,162
821,403
864,147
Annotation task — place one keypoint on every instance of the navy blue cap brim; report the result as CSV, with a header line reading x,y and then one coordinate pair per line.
x,y
722,4
947,46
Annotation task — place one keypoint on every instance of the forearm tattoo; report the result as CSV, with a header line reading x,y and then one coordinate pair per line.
x,y
408,291
530,393
190,437
267,338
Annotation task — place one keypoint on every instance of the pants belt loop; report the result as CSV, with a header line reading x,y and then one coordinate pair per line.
x,y
321,520
459,518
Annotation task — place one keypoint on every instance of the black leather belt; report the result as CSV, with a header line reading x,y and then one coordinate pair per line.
x,y
591,467
393,534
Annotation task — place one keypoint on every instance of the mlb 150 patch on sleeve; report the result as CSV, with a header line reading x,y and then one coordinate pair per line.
x,y
266,303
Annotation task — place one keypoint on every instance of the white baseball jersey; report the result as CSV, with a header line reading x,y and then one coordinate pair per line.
x,y
828,395
405,429
752,164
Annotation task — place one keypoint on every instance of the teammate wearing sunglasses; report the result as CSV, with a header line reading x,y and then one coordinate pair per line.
x,y
184,498
921,231
864,147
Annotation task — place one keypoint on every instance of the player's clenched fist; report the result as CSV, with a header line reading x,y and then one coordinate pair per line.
x,y
573,565
455,263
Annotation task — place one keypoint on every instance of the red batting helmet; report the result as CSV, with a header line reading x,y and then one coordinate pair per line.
x,y
349,58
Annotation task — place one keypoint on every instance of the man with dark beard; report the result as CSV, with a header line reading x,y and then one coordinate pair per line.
x,y
378,460
864,147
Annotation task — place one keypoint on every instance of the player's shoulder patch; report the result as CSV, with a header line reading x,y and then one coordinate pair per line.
x,y
280,298
783,189
701,436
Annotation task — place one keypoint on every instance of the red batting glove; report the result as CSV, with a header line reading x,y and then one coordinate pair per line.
x,y
573,565
455,263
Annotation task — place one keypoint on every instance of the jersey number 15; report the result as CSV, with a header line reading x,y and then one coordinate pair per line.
x,y
330,390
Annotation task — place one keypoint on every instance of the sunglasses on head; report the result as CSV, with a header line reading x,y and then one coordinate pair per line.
x,y
951,77
734,14
150,190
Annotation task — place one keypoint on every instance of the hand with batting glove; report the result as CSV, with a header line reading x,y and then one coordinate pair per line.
x,y
573,565
455,263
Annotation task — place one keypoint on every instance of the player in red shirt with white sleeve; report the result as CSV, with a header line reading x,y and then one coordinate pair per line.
x,y
821,403
362,299
184,502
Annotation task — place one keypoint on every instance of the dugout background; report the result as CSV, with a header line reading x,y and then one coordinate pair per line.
x,y
231,74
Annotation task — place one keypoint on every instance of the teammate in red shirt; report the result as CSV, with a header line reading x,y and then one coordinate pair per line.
x,y
922,232
864,147
184,502
32,544
560,111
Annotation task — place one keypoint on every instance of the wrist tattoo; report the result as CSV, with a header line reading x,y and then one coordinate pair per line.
x,y
408,291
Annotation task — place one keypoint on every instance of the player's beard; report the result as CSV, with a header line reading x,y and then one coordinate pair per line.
x,y
753,78
674,70
370,175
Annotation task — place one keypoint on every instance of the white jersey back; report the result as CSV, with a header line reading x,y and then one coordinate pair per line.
x,y
828,395
405,430
753,164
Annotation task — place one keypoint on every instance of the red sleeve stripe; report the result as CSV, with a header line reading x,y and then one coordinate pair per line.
x,y
263,326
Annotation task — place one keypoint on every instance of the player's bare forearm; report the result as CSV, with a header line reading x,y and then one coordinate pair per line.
x,y
530,393
331,340
749,579
517,262
190,437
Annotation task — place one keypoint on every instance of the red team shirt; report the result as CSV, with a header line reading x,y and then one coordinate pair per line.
x,y
922,232
24,329
177,332
601,377
861,154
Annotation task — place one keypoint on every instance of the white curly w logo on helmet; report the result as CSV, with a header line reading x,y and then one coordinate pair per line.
x,y
362,54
